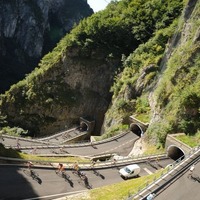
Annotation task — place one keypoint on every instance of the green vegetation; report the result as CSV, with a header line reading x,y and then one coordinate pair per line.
x,y
69,159
192,141
12,153
176,98
123,189
145,59
115,130
14,131
151,149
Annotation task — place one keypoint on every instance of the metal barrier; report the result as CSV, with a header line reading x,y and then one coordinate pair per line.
x,y
87,165
57,134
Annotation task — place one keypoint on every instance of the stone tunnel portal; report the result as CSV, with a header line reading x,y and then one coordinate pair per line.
x,y
175,152
135,128
87,125
84,126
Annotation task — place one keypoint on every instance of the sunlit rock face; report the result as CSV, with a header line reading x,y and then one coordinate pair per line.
x,y
29,29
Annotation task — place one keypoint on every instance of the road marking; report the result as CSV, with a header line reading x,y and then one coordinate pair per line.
x,y
117,147
148,171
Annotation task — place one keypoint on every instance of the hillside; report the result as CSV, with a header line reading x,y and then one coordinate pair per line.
x,y
30,29
137,57
161,80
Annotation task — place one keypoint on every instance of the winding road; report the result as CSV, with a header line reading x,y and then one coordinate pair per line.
x,y
17,185
121,145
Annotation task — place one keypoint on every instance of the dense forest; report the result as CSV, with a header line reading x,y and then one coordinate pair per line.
x,y
136,57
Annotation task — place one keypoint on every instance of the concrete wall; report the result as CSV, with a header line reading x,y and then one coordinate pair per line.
x,y
143,125
172,141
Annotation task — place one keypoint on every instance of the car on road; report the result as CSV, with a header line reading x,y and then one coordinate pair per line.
x,y
151,196
129,171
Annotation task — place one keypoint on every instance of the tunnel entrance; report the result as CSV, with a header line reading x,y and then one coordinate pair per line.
x,y
87,124
175,152
135,128
83,126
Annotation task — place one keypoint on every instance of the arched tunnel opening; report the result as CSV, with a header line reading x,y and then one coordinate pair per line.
x,y
175,152
83,127
135,128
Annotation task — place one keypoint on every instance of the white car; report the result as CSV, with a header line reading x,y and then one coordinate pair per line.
x,y
150,196
129,171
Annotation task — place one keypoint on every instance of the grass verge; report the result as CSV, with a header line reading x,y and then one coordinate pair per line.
x,y
120,190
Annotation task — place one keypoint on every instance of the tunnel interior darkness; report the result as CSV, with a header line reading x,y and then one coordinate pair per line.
x,y
136,129
84,126
175,153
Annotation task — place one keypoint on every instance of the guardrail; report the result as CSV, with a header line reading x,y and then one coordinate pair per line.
x,y
24,139
170,168
71,138
52,145
57,134
87,165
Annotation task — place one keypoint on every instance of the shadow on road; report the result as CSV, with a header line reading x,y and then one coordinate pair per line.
x,y
194,178
14,185
69,181
97,173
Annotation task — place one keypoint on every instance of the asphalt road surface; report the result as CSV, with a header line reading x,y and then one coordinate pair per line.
x,y
121,146
184,188
16,185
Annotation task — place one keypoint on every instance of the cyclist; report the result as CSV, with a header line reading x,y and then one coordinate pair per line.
x,y
60,167
93,162
76,168
30,164
114,161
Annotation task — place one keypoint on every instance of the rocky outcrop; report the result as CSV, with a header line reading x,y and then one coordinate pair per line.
x,y
29,29
74,87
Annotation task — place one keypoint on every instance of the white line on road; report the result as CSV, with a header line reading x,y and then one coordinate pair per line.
x,y
148,171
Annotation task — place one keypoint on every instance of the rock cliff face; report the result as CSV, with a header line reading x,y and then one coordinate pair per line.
x,y
29,29
76,86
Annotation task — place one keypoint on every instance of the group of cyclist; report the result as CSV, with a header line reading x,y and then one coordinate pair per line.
x,y
61,169
76,168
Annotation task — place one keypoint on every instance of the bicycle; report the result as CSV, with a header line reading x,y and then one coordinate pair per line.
x,y
76,172
62,174
31,173
65,176
84,181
